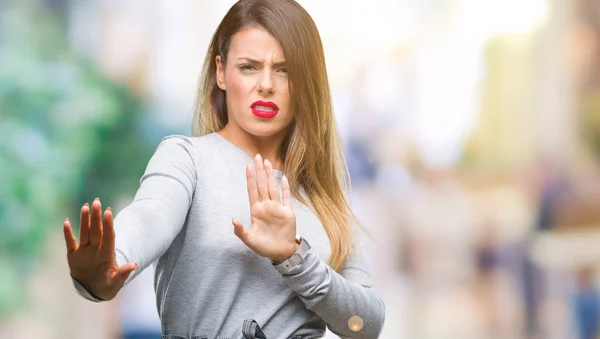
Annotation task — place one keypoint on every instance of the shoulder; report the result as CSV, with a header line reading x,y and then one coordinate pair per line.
x,y
192,145
175,149
175,145
200,142
195,149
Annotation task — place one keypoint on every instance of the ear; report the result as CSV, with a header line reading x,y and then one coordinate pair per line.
x,y
220,73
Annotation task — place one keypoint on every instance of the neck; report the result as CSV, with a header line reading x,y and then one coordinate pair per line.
x,y
268,146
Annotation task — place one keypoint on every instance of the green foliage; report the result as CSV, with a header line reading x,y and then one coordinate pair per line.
x,y
67,134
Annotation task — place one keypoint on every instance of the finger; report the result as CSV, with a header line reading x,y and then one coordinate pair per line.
x,y
69,236
125,271
239,230
84,225
271,182
252,186
96,224
108,232
261,178
285,192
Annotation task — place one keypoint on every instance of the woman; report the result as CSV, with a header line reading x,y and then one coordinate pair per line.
x,y
224,242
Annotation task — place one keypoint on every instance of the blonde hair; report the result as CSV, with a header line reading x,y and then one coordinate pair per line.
x,y
311,154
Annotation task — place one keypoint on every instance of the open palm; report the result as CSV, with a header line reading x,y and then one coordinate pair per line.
x,y
93,262
272,233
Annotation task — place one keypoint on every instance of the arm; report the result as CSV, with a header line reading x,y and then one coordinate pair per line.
x,y
336,297
145,229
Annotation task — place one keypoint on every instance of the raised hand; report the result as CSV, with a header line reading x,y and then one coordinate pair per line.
x,y
93,262
272,233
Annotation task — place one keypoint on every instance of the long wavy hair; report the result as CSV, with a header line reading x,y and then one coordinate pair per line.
x,y
311,154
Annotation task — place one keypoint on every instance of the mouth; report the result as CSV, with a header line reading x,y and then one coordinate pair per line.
x,y
264,109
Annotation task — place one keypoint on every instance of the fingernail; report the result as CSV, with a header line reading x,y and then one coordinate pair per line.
x,y
267,162
66,219
86,204
97,199
109,209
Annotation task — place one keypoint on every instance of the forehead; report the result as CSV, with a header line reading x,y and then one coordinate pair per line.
x,y
256,43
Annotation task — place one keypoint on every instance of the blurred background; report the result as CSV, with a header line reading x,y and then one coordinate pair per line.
x,y
471,128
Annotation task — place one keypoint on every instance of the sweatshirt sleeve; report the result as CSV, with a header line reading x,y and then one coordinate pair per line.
x,y
147,226
338,297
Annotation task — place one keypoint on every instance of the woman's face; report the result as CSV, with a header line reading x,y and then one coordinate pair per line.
x,y
255,79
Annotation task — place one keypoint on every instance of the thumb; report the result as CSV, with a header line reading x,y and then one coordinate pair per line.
x,y
239,230
125,271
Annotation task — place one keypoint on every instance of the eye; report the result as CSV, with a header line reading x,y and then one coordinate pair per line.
x,y
247,68
283,70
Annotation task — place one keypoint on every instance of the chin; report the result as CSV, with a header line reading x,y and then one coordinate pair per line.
x,y
265,129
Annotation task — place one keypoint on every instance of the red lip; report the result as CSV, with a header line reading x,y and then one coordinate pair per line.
x,y
265,114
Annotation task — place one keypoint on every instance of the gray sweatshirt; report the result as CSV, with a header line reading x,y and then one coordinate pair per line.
x,y
207,281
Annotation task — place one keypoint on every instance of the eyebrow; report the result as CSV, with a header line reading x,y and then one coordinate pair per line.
x,y
252,61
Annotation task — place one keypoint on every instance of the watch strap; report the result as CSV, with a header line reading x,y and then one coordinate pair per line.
x,y
288,265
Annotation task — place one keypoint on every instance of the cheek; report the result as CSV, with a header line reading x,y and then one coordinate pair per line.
x,y
284,91
238,87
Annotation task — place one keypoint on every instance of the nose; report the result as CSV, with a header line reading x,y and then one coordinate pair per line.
x,y
265,84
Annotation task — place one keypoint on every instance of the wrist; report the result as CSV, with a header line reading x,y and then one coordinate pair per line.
x,y
294,263
87,289
279,259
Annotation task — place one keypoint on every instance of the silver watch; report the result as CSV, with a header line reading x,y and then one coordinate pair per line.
x,y
288,265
